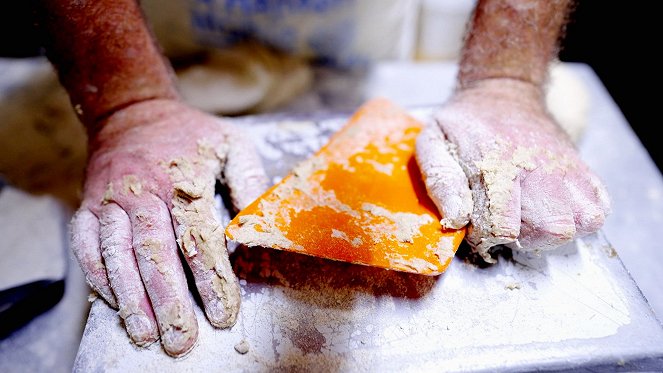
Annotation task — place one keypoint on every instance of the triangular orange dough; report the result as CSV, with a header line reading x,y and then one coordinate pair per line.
x,y
359,199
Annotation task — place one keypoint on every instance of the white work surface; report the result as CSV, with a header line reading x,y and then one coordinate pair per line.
x,y
618,315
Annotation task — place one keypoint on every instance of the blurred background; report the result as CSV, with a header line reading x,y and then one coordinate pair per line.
x,y
619,41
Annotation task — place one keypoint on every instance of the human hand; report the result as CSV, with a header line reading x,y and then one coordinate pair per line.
x,y
528,187
149,189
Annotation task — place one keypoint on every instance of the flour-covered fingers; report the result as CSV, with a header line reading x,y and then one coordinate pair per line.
x,y
84,238
243,171
122,269
497,208
600,190
445,180
162,272
590,203
547,217
202,240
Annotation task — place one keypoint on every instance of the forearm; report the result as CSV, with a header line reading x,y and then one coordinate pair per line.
x,y
105,55
512,39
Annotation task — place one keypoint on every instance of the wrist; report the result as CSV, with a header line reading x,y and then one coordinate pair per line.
x,y
135,116
94,113
507,87
503,94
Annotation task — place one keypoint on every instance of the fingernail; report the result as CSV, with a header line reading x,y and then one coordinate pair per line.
x,y
221,315
178,342
141,329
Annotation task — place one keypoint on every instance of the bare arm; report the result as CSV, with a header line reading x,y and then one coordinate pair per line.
x,y
105,55
512,39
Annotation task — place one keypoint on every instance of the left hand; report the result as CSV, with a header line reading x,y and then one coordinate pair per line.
x,y
149,190
495,158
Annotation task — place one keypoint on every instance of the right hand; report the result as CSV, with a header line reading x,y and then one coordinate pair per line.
x,y
149,189
495,158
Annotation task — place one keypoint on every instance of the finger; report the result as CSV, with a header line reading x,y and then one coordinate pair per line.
x,y
84,237
589,203
116,248
445,180
547,218
601,192
497,206
162,273
243,172
202,240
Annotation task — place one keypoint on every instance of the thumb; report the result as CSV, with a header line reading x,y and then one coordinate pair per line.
x,y
445,180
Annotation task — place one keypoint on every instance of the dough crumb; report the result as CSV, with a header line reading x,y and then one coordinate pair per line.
x,y
132,184
242,347
609,251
